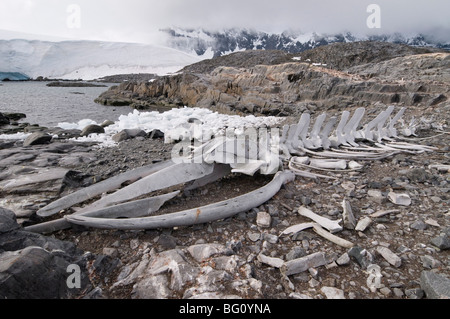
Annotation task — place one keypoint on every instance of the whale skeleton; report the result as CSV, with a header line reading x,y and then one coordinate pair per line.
x,y
326,147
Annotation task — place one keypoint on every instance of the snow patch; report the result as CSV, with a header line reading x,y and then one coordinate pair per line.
x,y
175,124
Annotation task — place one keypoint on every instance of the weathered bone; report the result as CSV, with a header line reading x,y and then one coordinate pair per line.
x,y
333,238
392,129
332,225
297,228
328,163
140,208
167,177
194,216
351,128
100,188
314,140
220,170
324,135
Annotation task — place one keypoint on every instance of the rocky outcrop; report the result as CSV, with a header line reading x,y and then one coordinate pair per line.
x,y
246,83
33,266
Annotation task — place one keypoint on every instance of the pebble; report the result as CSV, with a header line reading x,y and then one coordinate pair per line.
x,y
343,260
254,237
333,293
390,257
263,219
363,224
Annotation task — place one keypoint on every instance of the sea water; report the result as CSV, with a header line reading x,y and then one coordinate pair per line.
x,y
49,106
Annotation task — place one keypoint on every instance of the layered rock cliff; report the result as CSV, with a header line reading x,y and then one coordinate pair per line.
x,y
335,77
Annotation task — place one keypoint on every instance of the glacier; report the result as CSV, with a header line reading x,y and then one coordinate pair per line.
x,y
89,60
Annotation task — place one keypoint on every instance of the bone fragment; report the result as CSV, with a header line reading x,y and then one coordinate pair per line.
x,y
302,264
383,212
363,224
328,164
332,225
333,238
297,228
399,199
347,216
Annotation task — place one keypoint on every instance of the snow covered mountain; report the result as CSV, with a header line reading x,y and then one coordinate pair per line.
x,y
88,60
232,40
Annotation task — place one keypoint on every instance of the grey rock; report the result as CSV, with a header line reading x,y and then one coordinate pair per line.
x,y
8,221
156,134
296,252
272,262
37,138
204,251
35,273
120,137
442,241
362,256
419,175
302,264
3,119
92,129
167,241
390,257
349,219
429,262
112,252
419,225
415,293
333,293
263,219
253,236
343,260
435,285
107,123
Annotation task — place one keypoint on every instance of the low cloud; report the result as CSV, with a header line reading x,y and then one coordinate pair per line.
x,y
139,21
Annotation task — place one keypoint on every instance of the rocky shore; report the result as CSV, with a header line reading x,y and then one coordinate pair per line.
x,y
399,251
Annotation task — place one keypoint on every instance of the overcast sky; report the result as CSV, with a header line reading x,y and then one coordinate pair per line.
x,y
139,20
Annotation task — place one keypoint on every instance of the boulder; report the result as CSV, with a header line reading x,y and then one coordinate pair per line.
x,y
8,221
37,138
92,129
3,119
435,285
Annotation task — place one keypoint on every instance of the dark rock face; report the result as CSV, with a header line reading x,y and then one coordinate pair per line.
x,y
3,119
34,266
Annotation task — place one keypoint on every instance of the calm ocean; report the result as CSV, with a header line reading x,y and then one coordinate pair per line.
x,y
48,106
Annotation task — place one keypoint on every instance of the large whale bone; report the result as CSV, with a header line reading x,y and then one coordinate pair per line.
x,y
139,208
377,123
205,214
99,188
351,128
164,178
339,138
397,117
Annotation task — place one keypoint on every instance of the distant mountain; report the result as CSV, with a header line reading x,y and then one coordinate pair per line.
x,y
88,60
218,43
